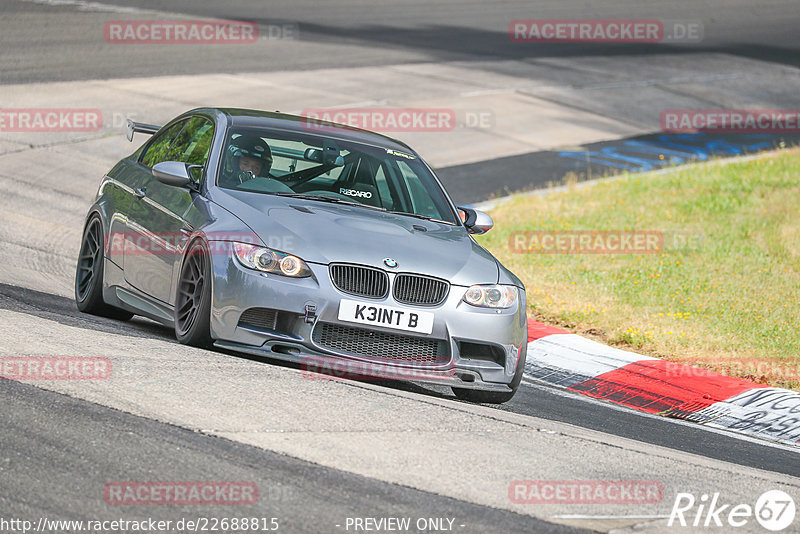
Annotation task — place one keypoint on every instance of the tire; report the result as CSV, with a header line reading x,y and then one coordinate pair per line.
x,y
89,274
193,299
494,397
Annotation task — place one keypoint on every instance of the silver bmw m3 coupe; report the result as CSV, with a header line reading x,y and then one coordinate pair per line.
x,y
307,241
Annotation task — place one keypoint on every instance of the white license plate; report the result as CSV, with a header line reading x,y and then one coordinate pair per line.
x,y
386,316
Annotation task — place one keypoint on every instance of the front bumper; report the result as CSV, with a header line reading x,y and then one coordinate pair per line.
x,y
457,326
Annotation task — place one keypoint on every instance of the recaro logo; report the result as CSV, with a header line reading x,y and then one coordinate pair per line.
x,y
355,193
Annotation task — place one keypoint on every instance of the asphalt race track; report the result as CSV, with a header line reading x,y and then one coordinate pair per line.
x,y
304,497
325,450
363,32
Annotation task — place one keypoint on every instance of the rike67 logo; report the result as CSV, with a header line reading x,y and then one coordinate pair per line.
x,y
774,510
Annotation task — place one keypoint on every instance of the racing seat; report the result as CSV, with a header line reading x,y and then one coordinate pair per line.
x,y
362,186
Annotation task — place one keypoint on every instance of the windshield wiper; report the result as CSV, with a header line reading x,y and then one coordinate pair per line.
x,y
419,216
332,200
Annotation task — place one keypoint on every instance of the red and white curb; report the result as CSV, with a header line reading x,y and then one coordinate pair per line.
x,y
656,386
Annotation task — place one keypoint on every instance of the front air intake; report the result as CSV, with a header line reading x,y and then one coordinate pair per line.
x,y
259,318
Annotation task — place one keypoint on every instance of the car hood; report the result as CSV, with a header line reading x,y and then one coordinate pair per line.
x,y
326,233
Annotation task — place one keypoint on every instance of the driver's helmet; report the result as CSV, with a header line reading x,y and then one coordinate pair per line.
x,y
248,146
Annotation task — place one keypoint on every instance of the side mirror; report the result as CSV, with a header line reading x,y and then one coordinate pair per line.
x,y
477,222
174,173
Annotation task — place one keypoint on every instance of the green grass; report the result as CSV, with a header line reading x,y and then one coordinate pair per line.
x,y
724,289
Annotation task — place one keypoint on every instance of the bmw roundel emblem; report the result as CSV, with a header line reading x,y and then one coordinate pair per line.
x,y
389,262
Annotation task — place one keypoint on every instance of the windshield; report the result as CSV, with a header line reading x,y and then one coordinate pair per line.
x,y
329,170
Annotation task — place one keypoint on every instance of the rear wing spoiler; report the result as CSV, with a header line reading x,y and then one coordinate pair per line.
x,y
139,127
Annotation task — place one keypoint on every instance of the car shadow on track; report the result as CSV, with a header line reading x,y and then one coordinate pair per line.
x,y
440,392
63,311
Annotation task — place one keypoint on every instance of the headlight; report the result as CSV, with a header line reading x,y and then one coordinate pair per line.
x,y
270,261
491,296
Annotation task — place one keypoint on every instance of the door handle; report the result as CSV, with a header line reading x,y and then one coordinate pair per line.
x,y
140,192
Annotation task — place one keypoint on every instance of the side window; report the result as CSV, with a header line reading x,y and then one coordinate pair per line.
x,y
420,199
193,144
157,151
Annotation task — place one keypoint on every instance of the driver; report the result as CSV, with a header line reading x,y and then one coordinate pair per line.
x,y
250,157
